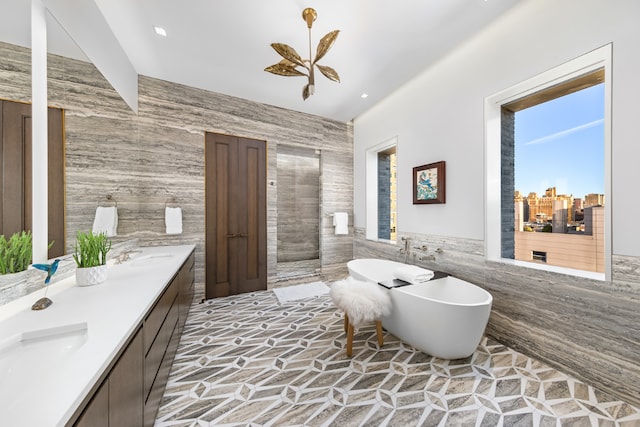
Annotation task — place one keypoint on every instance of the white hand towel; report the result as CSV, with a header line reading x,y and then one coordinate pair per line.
x,y
413,274
173,220
106,220
341,222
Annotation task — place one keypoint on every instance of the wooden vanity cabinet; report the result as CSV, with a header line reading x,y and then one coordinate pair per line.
x,y
130,394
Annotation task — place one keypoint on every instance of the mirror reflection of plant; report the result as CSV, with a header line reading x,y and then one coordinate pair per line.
x,y
91,249
15,253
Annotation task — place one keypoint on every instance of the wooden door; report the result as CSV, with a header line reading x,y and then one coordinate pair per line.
x,y
15,171
236,218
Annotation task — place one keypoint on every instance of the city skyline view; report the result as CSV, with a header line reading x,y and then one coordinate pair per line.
x,y
560,143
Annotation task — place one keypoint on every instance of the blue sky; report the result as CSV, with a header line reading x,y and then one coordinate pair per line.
x,y
560,143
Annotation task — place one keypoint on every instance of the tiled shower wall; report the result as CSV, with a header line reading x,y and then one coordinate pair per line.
x,y
587,328
298,204
155,158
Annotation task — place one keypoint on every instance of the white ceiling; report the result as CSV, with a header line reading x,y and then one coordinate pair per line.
x,y
223,46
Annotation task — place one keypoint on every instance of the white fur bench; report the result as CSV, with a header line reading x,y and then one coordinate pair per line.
x,y
361,302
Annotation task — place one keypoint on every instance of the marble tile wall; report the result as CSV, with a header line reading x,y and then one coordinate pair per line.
x,y
587,328
147,160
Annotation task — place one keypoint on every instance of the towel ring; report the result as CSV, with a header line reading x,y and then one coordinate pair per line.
x,y
111,202
171,202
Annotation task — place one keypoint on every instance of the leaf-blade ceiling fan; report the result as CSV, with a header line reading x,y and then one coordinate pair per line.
x,y
291,59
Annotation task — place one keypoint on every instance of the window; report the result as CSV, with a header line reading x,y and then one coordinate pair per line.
x,y
387,194
381,191
547,173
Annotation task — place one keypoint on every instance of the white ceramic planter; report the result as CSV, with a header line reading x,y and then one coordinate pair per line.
x,y
91,275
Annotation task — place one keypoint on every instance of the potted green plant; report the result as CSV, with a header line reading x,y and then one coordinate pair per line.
x,y
91,258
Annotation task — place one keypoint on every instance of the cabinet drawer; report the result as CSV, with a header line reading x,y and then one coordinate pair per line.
x,y
189,264
119,400
191,278
126,401
154,320
156,353
96,414
157,389
189,273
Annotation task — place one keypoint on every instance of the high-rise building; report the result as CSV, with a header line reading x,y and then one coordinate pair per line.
x,y
560,215
594,199
537,209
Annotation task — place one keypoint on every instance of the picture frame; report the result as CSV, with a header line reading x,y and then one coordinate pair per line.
x,y
429,183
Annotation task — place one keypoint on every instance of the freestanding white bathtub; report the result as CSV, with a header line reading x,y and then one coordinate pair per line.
x,y
445,317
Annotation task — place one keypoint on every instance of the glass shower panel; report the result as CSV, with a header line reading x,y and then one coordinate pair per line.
x,y
298,211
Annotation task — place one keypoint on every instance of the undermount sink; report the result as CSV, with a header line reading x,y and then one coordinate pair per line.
x,y
151,259
23,355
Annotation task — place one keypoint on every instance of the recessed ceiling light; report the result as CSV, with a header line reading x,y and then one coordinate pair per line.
x,y
364,95
160,31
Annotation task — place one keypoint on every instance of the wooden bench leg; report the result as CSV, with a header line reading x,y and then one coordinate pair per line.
x,y
346,322
350,340
379,332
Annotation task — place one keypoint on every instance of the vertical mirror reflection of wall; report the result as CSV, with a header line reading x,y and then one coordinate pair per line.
x,y
298,211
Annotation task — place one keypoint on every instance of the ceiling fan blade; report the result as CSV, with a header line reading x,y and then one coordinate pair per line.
x,y
288,53
284,68
329,73
325,44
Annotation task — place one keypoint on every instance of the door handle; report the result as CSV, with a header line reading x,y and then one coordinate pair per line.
x,y
243,235
237,235
231,235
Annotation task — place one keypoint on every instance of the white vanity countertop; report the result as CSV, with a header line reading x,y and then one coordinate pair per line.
x,y
50,359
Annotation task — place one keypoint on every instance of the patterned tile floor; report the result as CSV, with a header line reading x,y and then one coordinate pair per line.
x,y
248,361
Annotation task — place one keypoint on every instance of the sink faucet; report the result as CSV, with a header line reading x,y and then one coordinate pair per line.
x,y
125,256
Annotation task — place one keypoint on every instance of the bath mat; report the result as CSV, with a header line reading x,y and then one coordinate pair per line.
x,y
296,292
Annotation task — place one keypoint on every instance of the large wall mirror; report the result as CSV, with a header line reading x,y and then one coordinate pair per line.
x,y
79,33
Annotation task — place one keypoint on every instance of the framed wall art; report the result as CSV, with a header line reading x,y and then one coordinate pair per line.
x,y
429,184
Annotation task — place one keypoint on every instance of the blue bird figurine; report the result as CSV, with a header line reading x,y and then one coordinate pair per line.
x,y
45,302
49,268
